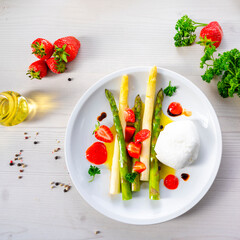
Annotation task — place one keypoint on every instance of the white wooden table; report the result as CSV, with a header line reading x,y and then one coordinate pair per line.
x,y
114,35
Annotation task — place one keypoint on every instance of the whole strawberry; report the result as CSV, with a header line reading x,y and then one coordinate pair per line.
x,y
37,70
56,66
42,48
213,32
66,48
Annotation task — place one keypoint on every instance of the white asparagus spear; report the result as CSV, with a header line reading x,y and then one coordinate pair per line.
x,y
147,121
123,104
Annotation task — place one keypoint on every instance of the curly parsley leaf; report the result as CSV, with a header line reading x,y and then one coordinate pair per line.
x,y
208,55
208,75
170,90
185,28
92,171
227,66
130,177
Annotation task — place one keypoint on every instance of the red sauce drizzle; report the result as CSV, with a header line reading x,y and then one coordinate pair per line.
x,y
171,182
185,176
175,109
97,153
102,116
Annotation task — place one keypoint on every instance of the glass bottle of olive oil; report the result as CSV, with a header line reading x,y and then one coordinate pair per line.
x,y
13,108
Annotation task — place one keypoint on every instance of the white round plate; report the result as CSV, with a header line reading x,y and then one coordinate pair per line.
x,y
141,210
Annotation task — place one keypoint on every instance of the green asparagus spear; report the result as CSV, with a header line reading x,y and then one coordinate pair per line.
x,y
123,161
154,163
137,125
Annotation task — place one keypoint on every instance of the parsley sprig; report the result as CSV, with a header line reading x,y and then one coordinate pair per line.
x,y
92,171
170,90
226,66
130,177
185,35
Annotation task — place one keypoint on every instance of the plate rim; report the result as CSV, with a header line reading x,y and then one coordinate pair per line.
x,y
81,102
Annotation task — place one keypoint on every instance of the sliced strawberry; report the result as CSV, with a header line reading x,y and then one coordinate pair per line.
x,y
213,32
129,131
42,48
134,149
103,133
139,167
37,70
129,115
97,153
55,66
142,135
66,48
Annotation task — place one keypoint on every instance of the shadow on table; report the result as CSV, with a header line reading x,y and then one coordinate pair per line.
x,y
40,104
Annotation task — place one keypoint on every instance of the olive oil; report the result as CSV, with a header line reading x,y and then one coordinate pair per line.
x,y
110,149
14,108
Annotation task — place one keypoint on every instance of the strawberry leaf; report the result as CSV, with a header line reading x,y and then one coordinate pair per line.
x,y
60,66
97,125
38,49
32,74
60,54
